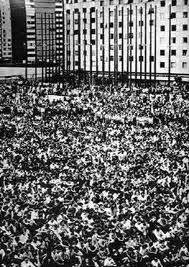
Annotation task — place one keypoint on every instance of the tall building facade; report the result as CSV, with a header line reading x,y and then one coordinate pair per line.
x,y
5,32
142,39
36,27
135,39
18,30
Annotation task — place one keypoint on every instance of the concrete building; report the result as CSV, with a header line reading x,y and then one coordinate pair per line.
x,y
36,28
5,32
18,30
137,38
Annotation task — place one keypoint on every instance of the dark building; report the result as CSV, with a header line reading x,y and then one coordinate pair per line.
x,y
18,23
25,32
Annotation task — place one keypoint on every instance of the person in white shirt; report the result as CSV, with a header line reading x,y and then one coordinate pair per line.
x,y
109,262
156,263
27,263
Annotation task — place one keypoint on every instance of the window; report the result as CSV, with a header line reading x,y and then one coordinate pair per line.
x,y
186,2
130,35
111,36
173,40
111,58
140,58
120,35
173,15
185,14
120,58
162,3
162,64
131,23
111,25
185,40
162,28
184,65
120,47
141,23
185,27
174,2
173,52
184,52
120,24
130,11
131,58
162,52
173,28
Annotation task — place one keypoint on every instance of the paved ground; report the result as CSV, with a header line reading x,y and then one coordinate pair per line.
x,y
14,71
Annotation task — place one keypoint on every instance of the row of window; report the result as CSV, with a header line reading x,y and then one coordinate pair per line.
x,y
141,47
130,35
174,27
173,15
173,2
141,23
112,2
162,64
162,53
111,13
173,65
173,52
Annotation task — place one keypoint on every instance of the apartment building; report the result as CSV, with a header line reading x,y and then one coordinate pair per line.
x,y
137,38
36,28
5,32
30,31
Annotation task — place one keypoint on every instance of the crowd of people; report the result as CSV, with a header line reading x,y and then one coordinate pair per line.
x,y
94,176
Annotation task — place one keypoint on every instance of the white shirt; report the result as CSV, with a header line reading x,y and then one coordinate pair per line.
x,y
109,262
27,264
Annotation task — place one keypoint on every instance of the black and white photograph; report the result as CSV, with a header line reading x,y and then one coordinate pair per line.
x,y
94,133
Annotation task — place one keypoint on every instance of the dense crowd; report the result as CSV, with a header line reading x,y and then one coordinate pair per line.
x,y
94,176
